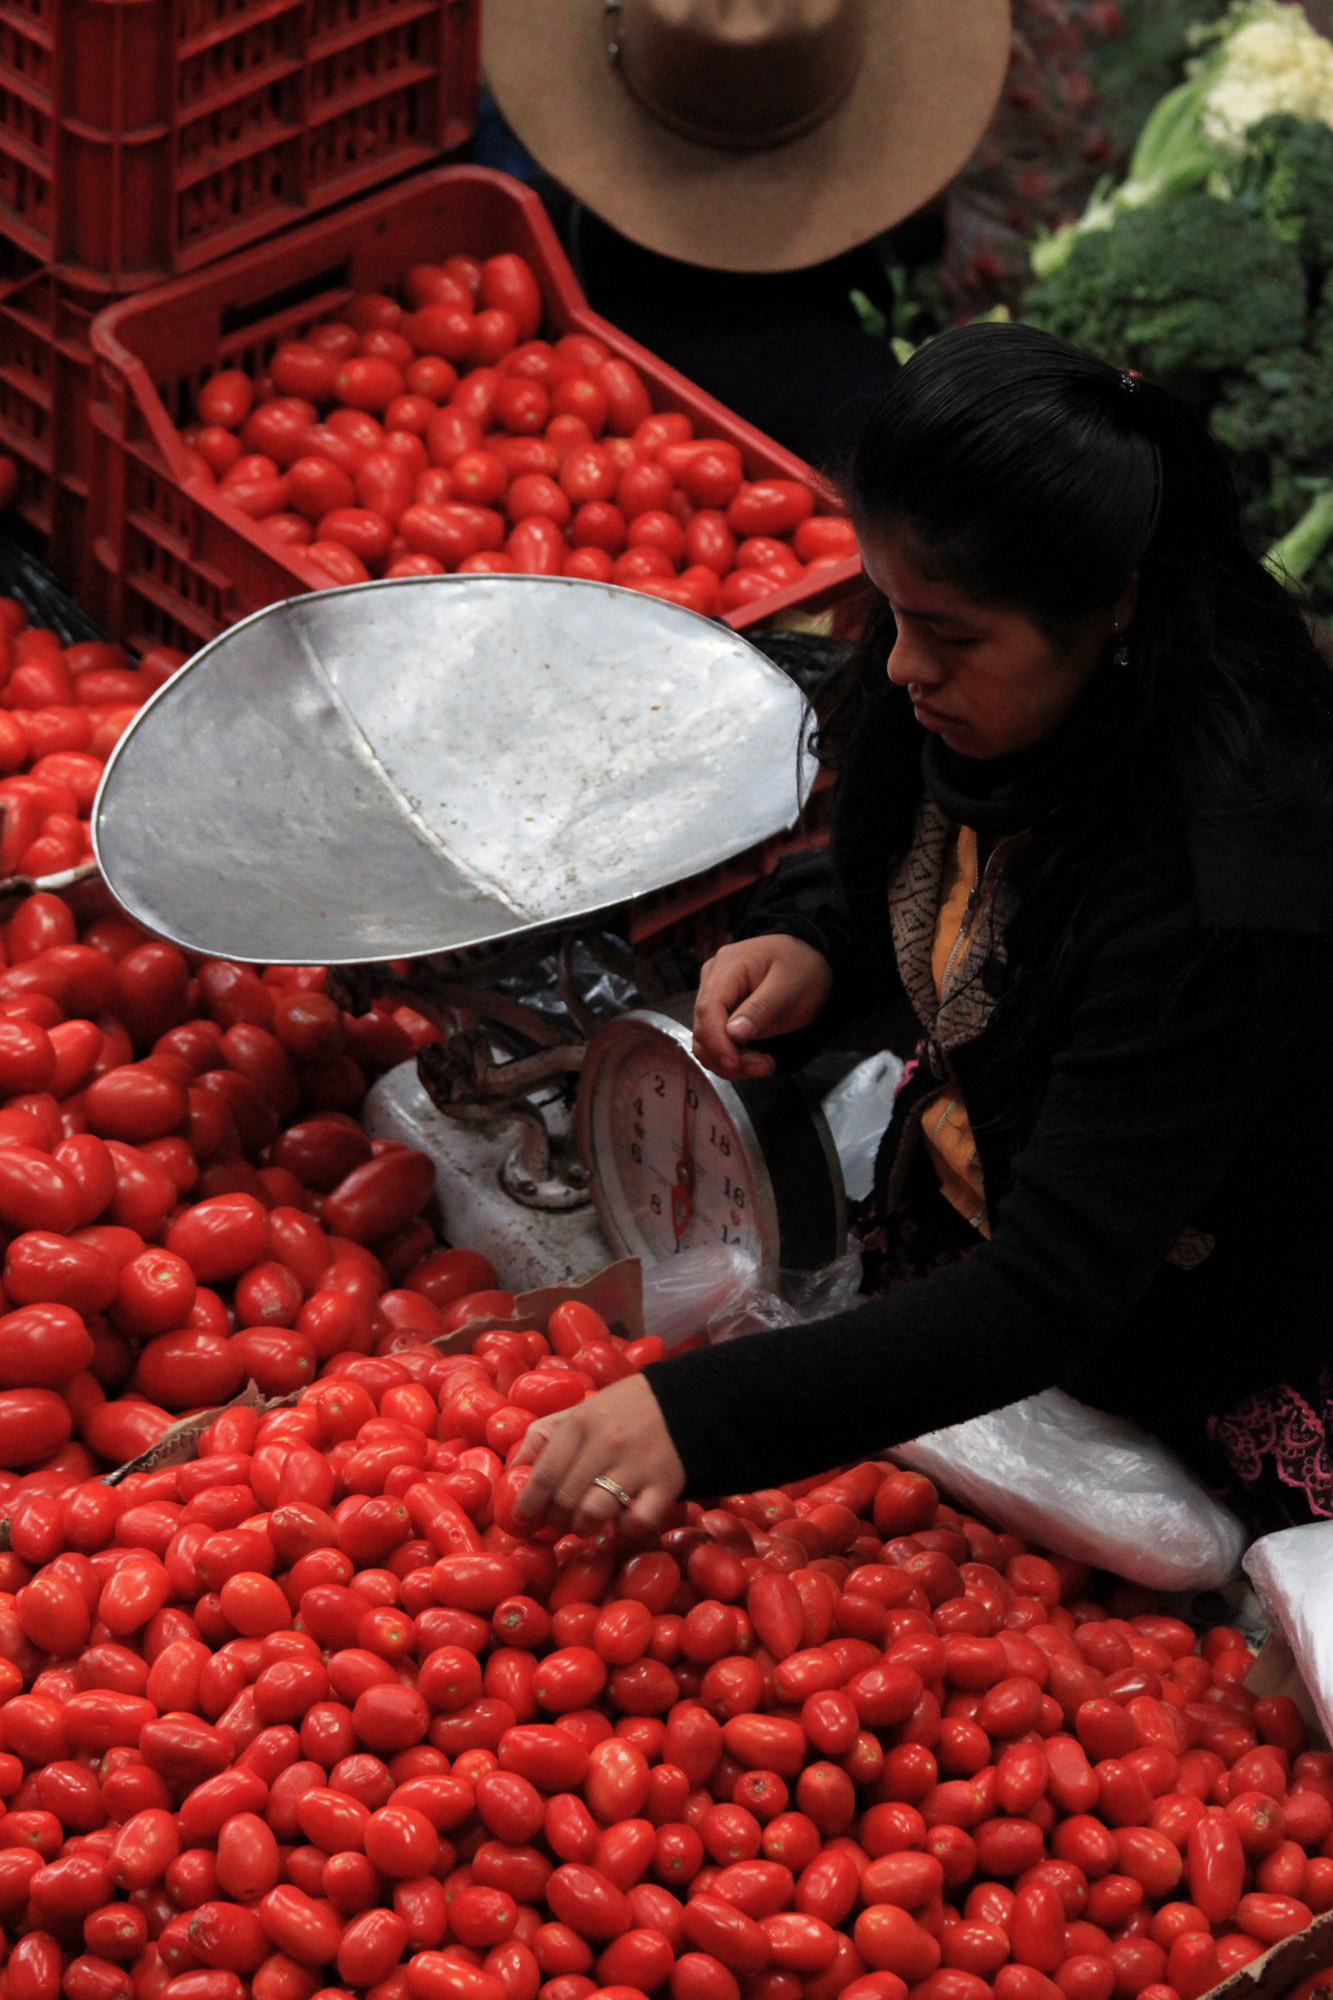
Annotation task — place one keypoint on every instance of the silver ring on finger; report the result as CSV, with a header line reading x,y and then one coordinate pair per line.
x,y
608,1485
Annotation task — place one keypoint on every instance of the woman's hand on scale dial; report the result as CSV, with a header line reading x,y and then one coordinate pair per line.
x,y
748,991
619,1434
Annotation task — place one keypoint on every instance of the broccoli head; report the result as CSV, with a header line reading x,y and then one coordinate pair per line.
x,y
1181,289
1286,179
1275,422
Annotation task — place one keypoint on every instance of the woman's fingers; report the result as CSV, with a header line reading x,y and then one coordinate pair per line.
x,y
651,1508
769,1009
724,983
619,1434
764,986
556,1448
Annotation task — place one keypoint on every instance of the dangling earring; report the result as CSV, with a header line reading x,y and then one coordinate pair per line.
x,y
1120,657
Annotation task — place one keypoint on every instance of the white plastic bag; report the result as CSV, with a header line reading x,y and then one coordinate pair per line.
x,y
1292,1573
686,1294
858,1111
716,1291
1089,1486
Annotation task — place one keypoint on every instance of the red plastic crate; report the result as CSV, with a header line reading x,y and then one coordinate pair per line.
x,y
174,561
46,367
140,139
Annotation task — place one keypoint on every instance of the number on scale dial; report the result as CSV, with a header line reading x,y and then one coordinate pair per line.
x,y
674,1160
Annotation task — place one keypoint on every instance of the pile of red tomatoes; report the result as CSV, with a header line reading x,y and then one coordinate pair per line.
x,y
62,711
311,1714
438,432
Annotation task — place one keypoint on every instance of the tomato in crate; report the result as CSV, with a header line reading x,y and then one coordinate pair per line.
x,y
350,338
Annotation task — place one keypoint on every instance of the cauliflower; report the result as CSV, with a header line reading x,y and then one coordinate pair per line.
x,y
1261,57
1269,59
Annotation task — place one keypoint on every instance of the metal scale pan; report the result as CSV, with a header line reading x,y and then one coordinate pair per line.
x,y
397,769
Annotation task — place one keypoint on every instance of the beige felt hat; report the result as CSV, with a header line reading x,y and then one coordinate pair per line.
x,y
748,135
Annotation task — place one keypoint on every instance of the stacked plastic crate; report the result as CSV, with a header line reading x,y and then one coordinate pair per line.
x,y
142,139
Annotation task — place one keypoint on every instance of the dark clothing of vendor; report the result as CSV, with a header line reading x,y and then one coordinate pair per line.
x,y
785,350
1108,1165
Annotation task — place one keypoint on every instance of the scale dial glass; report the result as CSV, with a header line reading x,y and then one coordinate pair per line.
x,y
674,1159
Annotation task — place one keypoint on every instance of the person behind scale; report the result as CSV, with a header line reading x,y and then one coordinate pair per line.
x,y
1084,824
721,168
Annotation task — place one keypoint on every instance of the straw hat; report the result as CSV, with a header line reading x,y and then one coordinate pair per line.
x,y
748,135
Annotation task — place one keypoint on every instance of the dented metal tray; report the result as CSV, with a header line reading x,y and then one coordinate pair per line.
x,y
395,769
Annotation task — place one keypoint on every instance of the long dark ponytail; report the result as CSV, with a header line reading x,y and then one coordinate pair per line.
x,y
1036,476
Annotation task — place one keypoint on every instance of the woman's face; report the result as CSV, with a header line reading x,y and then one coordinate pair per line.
x,y
983,677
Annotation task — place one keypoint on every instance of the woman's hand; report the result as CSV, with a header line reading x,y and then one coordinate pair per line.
x,y
619,1432
763,986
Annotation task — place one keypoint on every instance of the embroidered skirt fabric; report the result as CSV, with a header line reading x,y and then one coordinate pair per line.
x,y
1273,1454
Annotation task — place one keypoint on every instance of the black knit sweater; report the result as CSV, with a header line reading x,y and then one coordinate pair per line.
x,y
1176,1082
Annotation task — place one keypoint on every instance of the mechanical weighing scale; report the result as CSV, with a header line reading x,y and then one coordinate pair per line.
x,y
458,772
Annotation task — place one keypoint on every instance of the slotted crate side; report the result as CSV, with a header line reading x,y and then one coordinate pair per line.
x,y
178,562
45,376
140,139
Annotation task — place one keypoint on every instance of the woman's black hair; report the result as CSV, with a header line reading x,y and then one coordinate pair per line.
x,y
1029,474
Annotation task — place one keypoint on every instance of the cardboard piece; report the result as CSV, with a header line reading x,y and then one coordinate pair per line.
x,y
616,1292
177,1445
1274,1975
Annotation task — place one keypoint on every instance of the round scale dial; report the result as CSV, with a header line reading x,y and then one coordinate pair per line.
x,y
680,1159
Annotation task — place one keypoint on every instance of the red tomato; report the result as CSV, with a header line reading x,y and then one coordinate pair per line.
x,y
626,397
364,534
36,1192
221,1237
1215,1863
536,547
368,382
709,472
657,530
825,537
521,406
450,434
33,1425
591,564
479,477
494,335
300,369
532,493
590,474
576,396
225,398
382,1196
384,484
507,285
277,430
709,541
337,562
42,1268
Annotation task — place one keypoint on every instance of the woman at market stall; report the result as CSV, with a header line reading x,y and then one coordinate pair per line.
x,y
1084,823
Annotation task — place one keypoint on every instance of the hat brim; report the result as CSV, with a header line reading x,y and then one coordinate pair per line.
x,y
923,95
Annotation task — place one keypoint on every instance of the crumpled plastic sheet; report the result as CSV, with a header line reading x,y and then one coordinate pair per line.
x,y
1089,1486
1292,1574
715,1291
